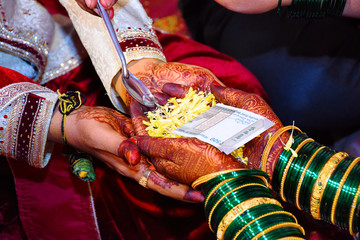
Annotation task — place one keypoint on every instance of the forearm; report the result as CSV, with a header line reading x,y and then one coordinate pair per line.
x,y
320,181
352,9
134,32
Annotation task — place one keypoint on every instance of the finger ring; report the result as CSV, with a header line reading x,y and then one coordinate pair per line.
x,y
144,178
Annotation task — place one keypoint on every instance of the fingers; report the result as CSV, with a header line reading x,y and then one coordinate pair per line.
x,y
175,90
129,151
170,188
107,4
137,118
155,181
161,98
90,6
156,147
227,96
91,3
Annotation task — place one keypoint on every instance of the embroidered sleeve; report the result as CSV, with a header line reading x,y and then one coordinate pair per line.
x,y
25,114
134,31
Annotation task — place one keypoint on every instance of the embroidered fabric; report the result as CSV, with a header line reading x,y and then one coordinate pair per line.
x,y
130,19
25,122
47,43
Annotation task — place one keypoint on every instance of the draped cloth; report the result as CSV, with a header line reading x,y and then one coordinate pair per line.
x,y
54,204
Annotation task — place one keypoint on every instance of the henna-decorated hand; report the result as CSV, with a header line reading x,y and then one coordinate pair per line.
x,y
90,6
104,133
250,102
155,73
181,159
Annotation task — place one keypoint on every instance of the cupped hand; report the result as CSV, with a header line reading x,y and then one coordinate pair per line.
x,y
181,159
250,102
90,6
155,73
103,133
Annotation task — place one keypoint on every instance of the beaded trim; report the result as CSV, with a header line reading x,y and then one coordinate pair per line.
x,y
13,91
24,43
28,121
139,43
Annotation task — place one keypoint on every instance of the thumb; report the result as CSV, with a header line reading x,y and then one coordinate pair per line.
x,y
137,118
129,151
156,147
175,90
230,96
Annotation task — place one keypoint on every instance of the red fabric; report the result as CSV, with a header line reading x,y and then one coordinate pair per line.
x,y
227,69
54,204
8,77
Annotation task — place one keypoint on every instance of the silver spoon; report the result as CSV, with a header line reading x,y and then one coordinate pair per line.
x,y
136,88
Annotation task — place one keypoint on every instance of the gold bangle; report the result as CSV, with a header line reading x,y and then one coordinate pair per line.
x,y
270,144
303,175
321,182
287,167
352,211
222,198
214,190
287,224
338,191
207,177
265,215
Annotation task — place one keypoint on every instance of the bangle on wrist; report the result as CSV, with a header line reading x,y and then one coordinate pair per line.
x,y
68,102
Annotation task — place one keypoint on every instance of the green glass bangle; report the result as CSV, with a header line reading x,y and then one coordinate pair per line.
x,y
283,160
331,187
282,233
232,200
229,202
354,222
229,186
296,168
278,7
316,8
311,176
248,216
347,194
207,186
262,224
223,187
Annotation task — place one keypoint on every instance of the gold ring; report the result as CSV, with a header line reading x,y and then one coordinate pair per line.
x,y
144,178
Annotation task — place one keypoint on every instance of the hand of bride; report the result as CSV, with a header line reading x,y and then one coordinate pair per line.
x,y
104,133
155,73
250,102
181,159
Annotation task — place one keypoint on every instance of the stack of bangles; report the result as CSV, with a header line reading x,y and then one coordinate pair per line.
x,y
239,205
315,8
318,180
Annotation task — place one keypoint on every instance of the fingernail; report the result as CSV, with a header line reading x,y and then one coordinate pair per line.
x,y
133,140
215,83
194,196
161,98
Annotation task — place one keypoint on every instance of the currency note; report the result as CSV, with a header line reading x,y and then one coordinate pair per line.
x,y
226,128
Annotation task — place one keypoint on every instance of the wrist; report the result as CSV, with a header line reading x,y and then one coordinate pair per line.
x,y
54,134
